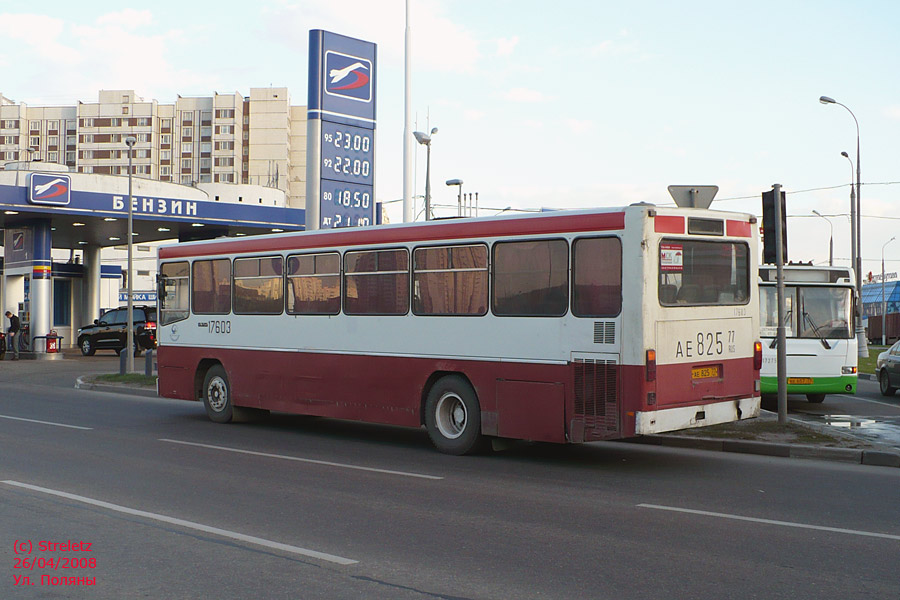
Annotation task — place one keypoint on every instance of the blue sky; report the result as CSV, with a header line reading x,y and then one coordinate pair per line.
x,y
543,104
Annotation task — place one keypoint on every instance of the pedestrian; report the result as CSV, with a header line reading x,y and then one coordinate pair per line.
x,y
13,334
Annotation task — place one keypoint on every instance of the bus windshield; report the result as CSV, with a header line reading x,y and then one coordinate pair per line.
x,y
810,312
695,272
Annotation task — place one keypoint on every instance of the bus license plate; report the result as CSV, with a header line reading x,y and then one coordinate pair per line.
x,y
800,380
704,372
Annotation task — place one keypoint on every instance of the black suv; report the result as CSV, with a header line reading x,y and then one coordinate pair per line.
x,y
110,331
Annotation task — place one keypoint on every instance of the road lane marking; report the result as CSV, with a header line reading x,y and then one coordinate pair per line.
x,y
188,524
305,460
866,400
771,522
45,422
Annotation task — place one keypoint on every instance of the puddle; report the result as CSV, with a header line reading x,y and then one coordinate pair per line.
x,y
873,429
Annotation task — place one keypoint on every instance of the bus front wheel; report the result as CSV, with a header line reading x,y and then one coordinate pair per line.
x,y
453,416
816,398
217,395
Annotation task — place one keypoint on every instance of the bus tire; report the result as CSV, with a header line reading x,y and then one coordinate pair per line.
x,y
884,384
453,416
815,398
217,395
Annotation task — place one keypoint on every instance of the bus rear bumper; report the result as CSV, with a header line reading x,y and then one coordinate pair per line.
x,y
687,417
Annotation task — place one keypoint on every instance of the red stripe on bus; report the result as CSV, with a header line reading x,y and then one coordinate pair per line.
x,y
434,231
738,228
668,224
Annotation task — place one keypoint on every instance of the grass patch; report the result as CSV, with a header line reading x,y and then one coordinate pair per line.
x,y
128,378
867,365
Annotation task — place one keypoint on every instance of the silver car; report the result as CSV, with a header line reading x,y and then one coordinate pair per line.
x,y
888,369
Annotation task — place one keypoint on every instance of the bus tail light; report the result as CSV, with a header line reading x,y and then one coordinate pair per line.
x,y
848,370
651,365
757,355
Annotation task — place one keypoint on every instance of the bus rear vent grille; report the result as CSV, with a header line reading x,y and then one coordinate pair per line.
x,y
604,332
596,394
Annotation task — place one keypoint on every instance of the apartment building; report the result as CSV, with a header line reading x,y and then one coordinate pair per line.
x,y
258,139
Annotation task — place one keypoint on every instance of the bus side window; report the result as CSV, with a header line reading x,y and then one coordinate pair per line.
x,y
689,294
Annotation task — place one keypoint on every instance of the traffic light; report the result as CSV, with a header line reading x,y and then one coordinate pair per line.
x,y
768,219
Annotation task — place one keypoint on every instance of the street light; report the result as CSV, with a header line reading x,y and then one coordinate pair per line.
x,y
458,182
425,139
883,301
830,238
857,258
129,340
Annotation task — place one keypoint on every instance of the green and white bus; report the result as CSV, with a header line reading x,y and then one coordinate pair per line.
x,y
821,347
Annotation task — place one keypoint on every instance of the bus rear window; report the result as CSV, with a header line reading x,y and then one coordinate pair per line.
x,y
694,272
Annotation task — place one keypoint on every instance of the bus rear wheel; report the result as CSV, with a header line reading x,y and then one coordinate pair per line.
x,y
217,395
453,416
816,398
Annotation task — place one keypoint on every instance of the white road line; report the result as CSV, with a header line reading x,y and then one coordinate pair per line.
x,y
45,423
866,400
306,460
771,522
188,524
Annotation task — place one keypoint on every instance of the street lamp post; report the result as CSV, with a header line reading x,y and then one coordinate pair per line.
x,y
883,300
129,343
830,238
425,140
862,343
459,197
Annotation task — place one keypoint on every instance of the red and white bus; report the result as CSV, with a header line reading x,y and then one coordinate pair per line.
x,y
567,326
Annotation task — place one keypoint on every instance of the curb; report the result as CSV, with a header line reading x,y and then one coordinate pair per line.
x,y
876,458
82,384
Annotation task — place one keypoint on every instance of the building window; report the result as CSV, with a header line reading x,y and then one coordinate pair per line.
x,y
205,164
115,122
143,122
70,158
71,140
165,138
205,178
34,141
165,170
53,125
53,156
186,163
225,113
10,124
187,117
187,134
205,147
186,179
53,140
165,123
35,126
126,99
165,155
88,138
62,302
124,110
143,137
89,122
186,148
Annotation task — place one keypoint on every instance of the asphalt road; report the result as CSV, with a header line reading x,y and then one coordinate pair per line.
x,y
175,506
